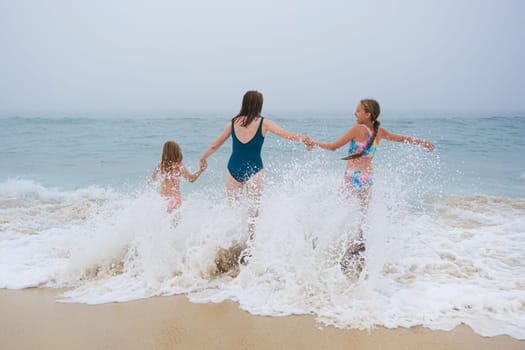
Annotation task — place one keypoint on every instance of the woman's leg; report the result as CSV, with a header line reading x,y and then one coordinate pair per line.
x,y
233,188
254,188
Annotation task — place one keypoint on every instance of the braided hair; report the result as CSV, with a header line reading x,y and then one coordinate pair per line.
x,y
372,107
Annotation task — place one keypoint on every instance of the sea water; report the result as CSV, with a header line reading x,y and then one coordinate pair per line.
x,y
445,229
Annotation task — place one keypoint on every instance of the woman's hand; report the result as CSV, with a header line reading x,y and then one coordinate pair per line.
x,y
429,146
309,143
204,163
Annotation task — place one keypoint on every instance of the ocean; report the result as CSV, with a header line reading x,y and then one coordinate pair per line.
x,y
445,229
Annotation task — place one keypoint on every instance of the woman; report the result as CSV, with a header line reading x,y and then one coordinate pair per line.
x,y
245,167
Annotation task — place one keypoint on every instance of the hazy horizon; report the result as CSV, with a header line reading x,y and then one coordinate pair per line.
x,y
126,57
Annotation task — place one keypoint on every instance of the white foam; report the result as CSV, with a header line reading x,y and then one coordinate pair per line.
x,y
438,264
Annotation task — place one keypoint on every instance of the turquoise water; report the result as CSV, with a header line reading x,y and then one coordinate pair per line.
x,y
476,155
445,230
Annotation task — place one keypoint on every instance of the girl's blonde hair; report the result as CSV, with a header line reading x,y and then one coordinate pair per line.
x,y
171,155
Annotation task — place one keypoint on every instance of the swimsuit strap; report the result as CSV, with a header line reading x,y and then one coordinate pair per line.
x,y
260,124
370,133
368,147
258,131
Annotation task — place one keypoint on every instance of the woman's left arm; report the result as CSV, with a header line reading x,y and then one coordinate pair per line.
x,y
277,130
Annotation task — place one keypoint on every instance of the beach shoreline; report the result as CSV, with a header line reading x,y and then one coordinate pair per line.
x,y
33,319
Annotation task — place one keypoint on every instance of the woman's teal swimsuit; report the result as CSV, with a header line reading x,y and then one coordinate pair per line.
x,y
245,160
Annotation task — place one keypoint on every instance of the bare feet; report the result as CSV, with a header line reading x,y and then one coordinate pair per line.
x,y
228,260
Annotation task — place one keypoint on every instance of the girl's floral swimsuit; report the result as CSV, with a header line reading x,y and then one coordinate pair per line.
x,y
359,179
174,201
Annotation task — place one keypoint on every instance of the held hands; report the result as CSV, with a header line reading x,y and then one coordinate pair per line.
x,y
429,146
204,164
309,143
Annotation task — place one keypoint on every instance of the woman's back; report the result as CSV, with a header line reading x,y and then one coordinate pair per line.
x,y
245,133
247,141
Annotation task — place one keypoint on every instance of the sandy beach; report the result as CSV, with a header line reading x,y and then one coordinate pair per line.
x,y
32,319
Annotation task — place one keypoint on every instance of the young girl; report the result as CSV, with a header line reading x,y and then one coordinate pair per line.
x,y
170,169
364,137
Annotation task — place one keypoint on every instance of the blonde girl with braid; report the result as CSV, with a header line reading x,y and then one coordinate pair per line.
x,y
363,139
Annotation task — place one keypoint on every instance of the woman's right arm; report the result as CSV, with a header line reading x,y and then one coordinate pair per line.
x,y
217,143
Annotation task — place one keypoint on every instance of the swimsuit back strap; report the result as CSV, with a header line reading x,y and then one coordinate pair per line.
x,y
370,133
259,129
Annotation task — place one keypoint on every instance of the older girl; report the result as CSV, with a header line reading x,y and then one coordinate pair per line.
x,y
363,139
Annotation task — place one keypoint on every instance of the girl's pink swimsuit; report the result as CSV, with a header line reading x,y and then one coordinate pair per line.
x,y
173,203
175,200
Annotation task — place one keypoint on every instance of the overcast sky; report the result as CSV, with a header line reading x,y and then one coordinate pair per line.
x,y
322,56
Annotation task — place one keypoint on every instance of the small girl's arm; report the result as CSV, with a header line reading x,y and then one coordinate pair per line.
x,y
189,176
154,174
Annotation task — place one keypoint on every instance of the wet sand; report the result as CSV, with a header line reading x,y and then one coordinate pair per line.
x,y
32,319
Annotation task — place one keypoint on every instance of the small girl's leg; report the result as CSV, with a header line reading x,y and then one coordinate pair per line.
x,y
173,203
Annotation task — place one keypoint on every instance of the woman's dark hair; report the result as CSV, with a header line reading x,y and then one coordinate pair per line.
x,y
251,107
372,107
